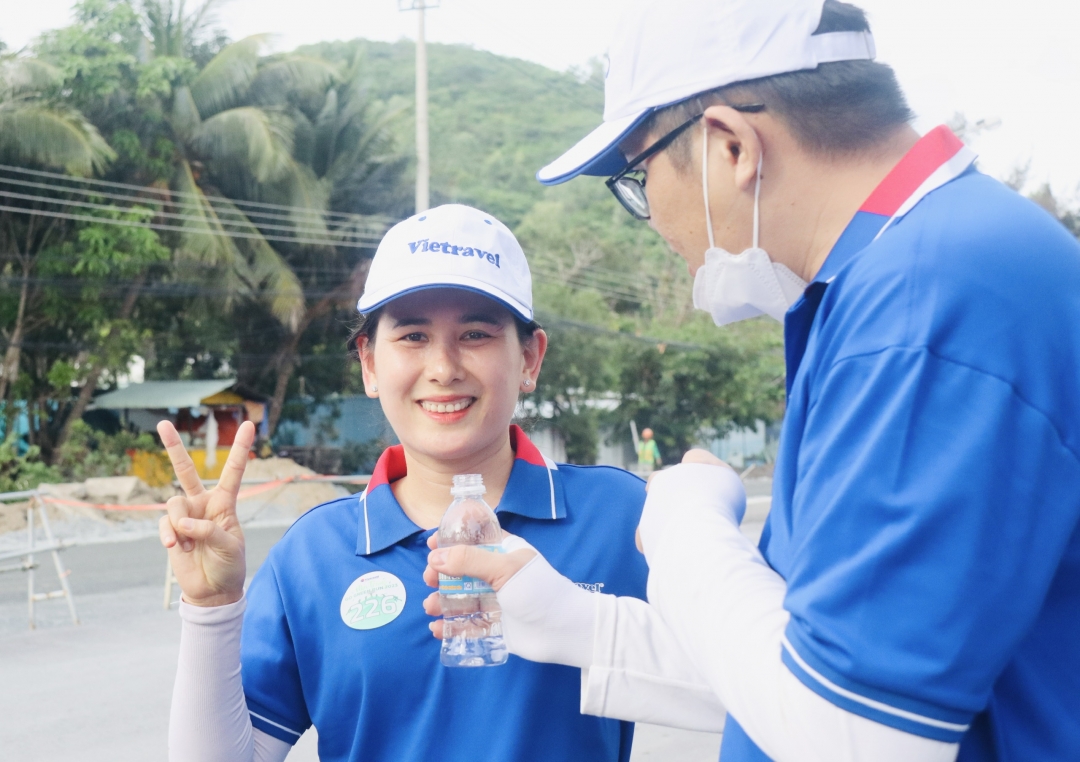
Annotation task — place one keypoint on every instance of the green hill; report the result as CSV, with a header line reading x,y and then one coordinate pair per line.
x,y
494,121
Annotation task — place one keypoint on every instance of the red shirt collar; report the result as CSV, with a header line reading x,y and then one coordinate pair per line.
x,y
391,465
925,157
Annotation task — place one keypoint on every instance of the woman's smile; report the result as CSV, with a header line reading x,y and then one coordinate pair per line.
x,y
446,409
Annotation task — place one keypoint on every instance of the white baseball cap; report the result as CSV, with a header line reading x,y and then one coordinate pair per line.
x,y
451,246
665,51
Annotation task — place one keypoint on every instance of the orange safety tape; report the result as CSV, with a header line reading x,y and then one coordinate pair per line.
x,y
242,495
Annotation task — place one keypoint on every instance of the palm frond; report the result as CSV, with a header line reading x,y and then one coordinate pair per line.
x,y
52,136
306,194
22,76
203,239
257,140
161,26
292,74
268,272
201,19
244,267
185,115
366,139
226,79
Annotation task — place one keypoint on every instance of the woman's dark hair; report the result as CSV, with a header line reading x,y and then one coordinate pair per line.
x,y
836,109
369,323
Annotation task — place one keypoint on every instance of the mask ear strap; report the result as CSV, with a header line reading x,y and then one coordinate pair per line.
x,y
757,199
705,182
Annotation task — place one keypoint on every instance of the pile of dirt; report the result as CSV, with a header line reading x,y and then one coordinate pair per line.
x,y
13,517
278,505
285,502
274,468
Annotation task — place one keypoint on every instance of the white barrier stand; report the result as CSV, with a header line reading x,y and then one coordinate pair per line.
x,y
170,580
27,564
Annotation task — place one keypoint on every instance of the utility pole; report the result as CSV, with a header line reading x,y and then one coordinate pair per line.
x,y
423,157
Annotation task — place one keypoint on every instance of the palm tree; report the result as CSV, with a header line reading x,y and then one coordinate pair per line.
x,y
351,156
36,129
223,143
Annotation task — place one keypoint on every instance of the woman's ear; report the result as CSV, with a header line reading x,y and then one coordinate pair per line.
x,y
365,351
533,350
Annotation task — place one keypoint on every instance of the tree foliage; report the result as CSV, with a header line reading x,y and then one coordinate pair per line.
x,y
211,128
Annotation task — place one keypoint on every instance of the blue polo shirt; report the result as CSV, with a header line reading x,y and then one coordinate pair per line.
x,y
335,634
926,500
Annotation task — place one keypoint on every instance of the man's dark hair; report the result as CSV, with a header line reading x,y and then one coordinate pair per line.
x,y
837,109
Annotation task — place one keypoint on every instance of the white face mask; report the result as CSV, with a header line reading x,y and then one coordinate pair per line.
x,y
733,287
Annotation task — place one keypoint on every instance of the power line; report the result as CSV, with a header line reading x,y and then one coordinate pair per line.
x,y
118,287
244,218
168,193
546,320
171,216
180,228
342,356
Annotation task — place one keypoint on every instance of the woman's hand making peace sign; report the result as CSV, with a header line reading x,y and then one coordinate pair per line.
x,y
201,531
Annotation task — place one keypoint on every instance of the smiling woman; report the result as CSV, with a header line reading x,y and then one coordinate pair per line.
x,y
333,632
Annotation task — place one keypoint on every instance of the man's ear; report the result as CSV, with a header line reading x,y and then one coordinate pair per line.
x,y
367,364
735,142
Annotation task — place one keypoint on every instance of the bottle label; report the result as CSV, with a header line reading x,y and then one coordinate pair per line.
x,y
468,585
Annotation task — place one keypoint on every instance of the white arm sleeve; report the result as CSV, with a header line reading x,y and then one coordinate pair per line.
x,y
725,605
209,721
632,666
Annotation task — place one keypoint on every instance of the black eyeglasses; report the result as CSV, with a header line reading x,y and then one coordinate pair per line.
x,y
629,184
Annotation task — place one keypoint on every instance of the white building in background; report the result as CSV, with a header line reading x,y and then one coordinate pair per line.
x,y
744,446
741,447
618,453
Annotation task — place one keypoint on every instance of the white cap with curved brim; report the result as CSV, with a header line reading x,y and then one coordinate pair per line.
x,y
450,246
665,51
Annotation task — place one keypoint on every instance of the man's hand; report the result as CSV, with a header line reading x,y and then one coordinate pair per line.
x,y
692,456
464,560
701,481
201,531
545,616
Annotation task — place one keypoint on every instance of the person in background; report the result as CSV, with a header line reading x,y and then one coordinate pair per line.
x,y
648,454
331,632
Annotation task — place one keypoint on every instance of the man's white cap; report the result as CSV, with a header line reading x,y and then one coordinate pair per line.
x,y
451,246
665,51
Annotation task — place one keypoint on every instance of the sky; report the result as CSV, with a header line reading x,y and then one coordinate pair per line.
x,y
1016,64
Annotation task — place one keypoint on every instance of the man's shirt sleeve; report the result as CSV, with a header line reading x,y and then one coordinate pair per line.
x,y
931,511
271,674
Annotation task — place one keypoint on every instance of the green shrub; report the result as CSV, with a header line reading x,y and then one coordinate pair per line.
x,y
23,472
91,453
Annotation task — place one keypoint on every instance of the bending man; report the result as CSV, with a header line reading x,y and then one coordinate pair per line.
x,y
916,592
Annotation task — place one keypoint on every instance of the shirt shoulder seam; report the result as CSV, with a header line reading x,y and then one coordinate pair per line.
x,y
622,472
968,366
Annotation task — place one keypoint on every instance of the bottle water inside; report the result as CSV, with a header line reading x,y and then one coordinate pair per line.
x,y
472,626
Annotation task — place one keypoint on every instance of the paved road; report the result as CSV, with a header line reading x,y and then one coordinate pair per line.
x,y
100,692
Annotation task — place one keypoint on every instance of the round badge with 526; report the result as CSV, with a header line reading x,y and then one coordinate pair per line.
x,y
373,600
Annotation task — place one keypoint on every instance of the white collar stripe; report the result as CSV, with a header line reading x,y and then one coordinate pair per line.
x,y
367,526
551,466
946,173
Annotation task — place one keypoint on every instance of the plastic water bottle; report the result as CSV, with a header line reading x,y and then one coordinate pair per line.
x,y
472,626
